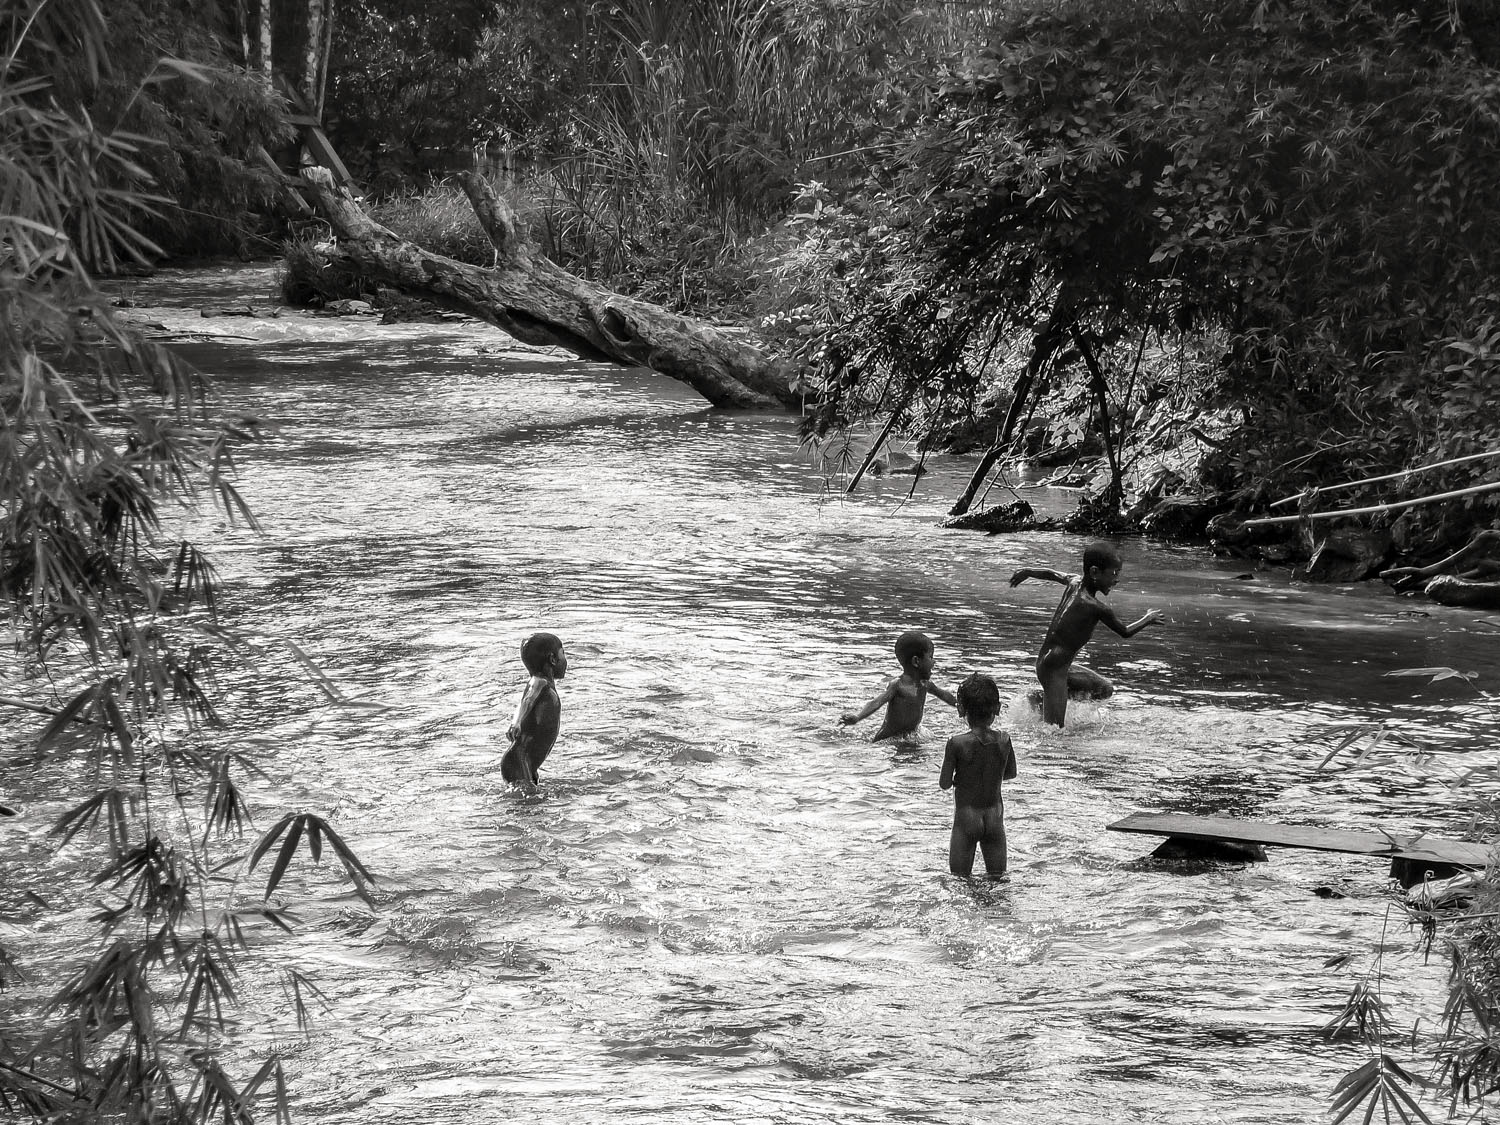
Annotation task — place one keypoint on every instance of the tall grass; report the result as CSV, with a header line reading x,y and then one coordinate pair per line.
x,y
691,142
706,117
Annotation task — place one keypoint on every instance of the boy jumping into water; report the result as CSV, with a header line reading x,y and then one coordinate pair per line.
x,y
905,697
974,765
1073,623
534,728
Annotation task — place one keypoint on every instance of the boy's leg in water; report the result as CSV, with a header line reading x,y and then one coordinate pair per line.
x,y
1086,683
1052,671
961,845
511,765
992,844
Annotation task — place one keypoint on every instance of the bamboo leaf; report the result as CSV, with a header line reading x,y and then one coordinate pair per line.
x,y
117,721
284,857
182,68
1436,674
329,688
70,711
270,838
346,855
1352,1090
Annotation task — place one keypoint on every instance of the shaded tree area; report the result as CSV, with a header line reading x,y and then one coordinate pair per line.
x,y
415,89
171,91
1262,229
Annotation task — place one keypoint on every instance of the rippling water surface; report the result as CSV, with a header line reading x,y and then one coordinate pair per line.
x,y
724,906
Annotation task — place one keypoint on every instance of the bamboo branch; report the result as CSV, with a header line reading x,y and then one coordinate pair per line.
x,y
880,440
1374,508
1044,346
1388,476
8,701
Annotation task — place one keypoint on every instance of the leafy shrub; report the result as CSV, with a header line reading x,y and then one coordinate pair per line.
x,y
1302,184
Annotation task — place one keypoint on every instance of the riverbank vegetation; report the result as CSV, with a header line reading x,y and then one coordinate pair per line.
x,y
1228,253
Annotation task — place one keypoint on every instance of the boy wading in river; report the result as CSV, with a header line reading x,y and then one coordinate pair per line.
x,y
1073,624
974,765
905,697
534,728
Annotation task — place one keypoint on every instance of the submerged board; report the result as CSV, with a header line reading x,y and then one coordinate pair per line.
x,y
1408,846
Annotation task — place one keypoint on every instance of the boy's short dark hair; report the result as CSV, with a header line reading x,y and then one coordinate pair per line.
x,y
912,643
1101,555
978,698
536,648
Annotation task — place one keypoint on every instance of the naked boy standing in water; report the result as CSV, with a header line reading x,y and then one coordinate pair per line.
x,y
974,765
534,729
1073,624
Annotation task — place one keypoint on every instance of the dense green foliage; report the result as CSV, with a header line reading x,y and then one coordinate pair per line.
x,y
115,681
414,88
658,139
166,92
1266,222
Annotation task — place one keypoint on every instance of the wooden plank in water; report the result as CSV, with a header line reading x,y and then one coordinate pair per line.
x,y
1426,849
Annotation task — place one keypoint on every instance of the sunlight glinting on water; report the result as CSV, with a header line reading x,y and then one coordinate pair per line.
x,y
723,905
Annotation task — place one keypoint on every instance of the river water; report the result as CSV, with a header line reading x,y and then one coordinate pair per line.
x,y
723,905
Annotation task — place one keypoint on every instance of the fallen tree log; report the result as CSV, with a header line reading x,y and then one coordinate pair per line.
x,y
1466,578
1478,558
538,302
1446,589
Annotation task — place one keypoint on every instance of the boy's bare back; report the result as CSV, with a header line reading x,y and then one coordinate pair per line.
x,y
974,765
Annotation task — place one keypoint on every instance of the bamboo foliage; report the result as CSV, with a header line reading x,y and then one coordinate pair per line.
x,y
104,438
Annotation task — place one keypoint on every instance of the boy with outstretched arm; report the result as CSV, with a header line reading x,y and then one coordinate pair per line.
x,y
905,697
1072,625
533,730
974,765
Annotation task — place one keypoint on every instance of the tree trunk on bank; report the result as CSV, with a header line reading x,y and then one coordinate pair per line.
x,y
538,302
1043,347
290,40
258,40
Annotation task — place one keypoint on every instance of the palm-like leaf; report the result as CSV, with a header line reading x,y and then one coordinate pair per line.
x,y
1380,1084
289,830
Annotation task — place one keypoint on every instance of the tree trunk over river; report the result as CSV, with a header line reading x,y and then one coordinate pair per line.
x,y
538,302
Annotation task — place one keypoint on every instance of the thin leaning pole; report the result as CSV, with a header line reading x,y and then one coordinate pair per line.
x,y
1387,476
1375,507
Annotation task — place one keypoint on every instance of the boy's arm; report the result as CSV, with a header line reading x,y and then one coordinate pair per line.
x,y
950,763
943,693
871,707
1009,771
1038,572
1112,619
527,701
